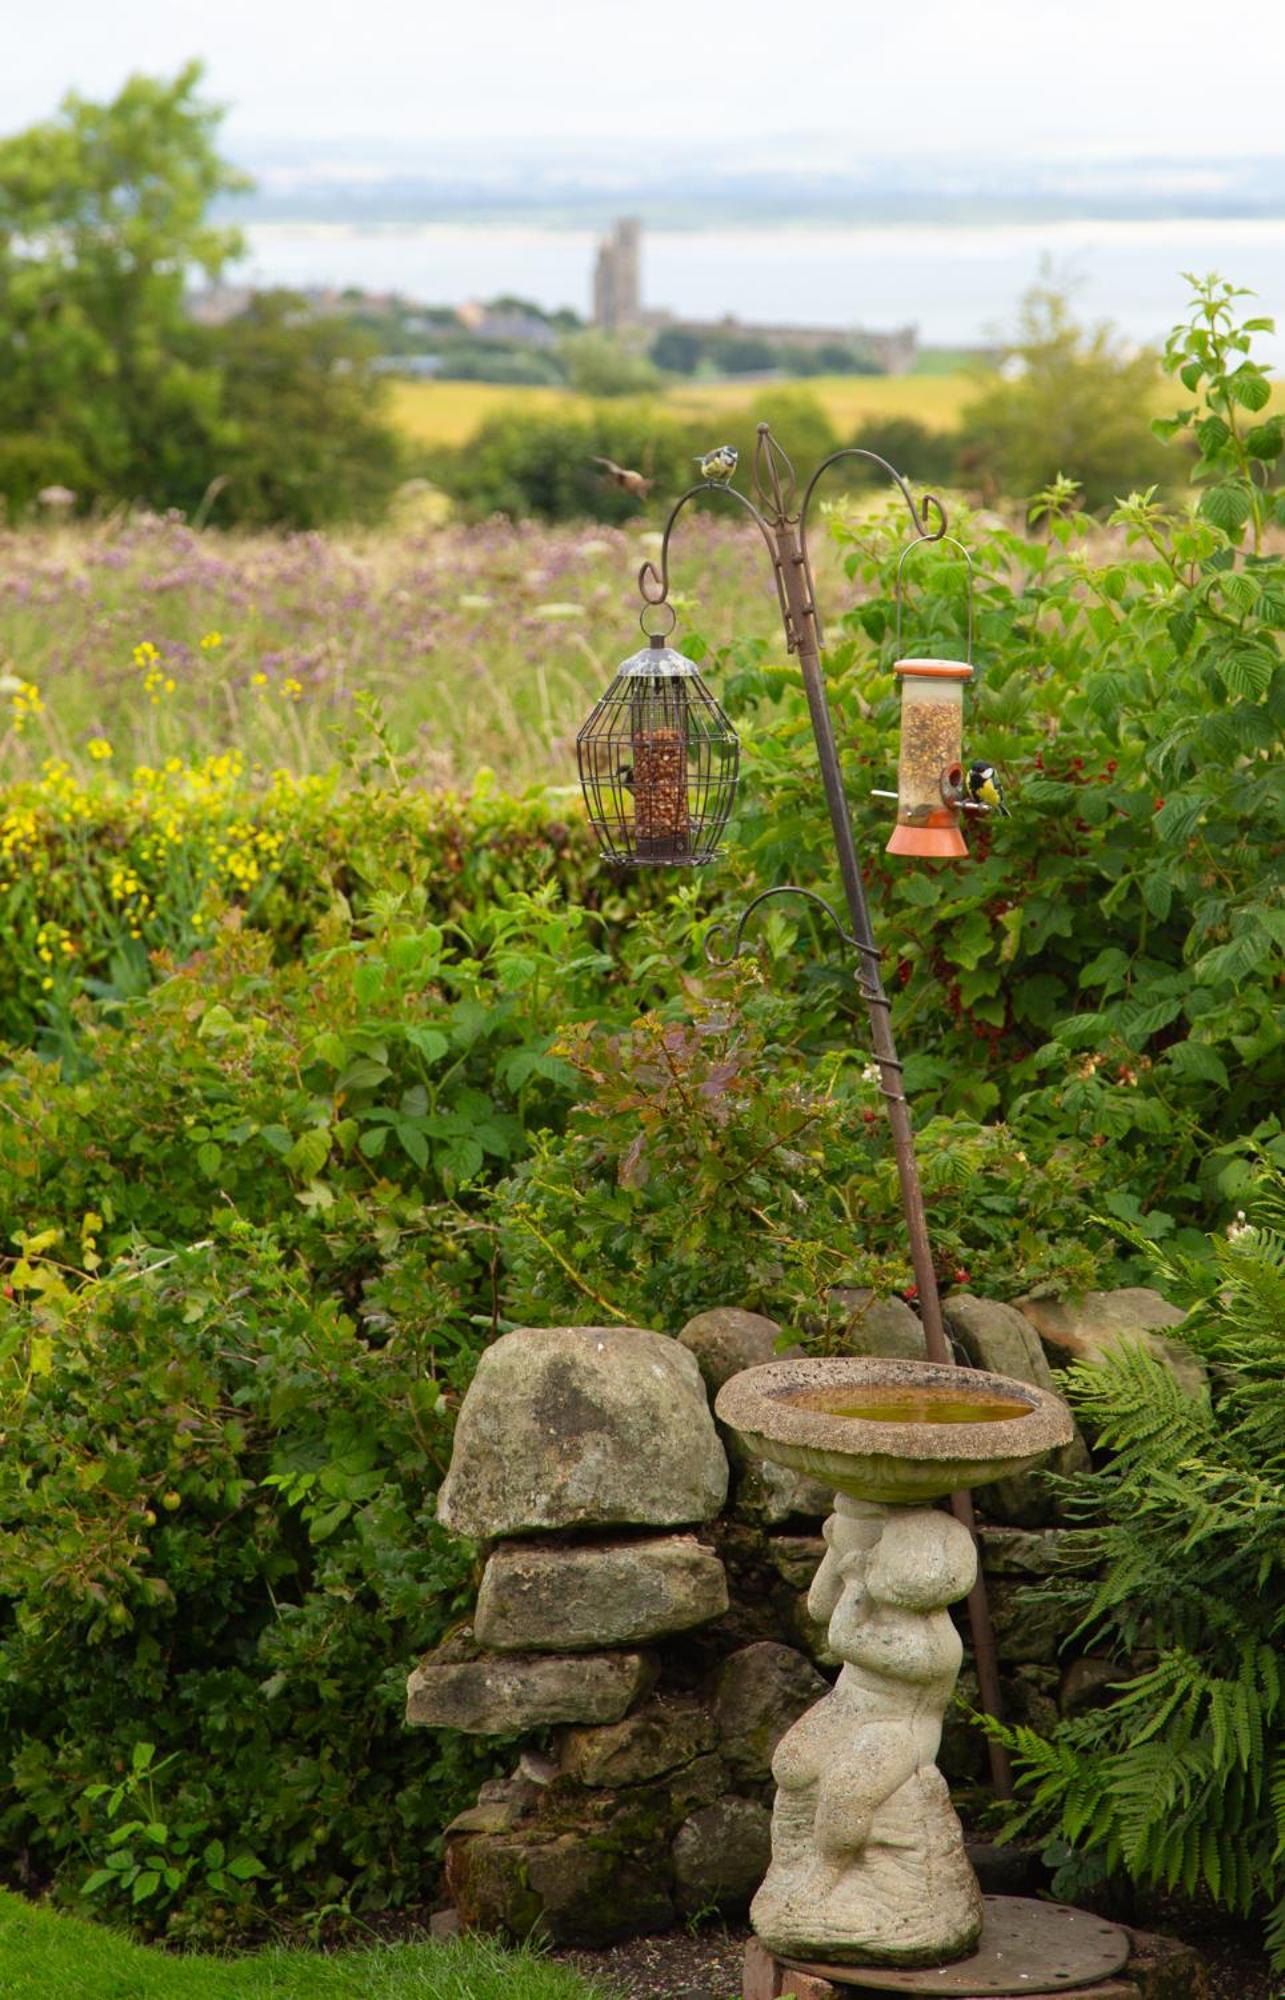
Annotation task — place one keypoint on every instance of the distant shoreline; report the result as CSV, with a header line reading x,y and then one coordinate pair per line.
x,y
960,284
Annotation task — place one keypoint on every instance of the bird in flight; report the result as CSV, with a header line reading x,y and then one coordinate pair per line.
x,y
624,477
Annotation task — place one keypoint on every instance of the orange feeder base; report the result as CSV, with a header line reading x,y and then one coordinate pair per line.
x,y
939,838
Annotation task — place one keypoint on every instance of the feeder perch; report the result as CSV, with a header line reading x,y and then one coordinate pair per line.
x,y
658,763
930,769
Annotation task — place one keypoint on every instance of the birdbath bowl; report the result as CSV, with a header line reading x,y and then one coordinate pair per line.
x,y
868,1863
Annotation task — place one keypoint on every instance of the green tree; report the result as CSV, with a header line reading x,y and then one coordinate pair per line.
x,y
597,365
303,435
104,211
1072,400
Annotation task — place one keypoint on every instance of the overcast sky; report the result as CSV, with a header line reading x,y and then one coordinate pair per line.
x,y
900,78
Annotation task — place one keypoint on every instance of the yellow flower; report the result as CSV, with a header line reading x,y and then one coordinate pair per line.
x,y
99,749
25,701
211,642
144,653
292,689
258,680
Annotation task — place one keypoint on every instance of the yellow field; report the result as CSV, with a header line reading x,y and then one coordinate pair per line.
x,y
449,413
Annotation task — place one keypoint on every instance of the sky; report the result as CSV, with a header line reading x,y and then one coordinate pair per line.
x,y
833,79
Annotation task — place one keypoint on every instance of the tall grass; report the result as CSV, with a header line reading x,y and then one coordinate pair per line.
x,y
134,642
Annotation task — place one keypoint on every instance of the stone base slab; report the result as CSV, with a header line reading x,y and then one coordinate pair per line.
x,y
1035,1948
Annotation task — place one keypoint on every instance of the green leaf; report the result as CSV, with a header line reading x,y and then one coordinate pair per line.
x,y
362,1073
373,1141
429,1042
1266,441
1246,670
1196,1062
98,1880
209,1158
1179,816
1228,505
145,1884
309,1153
413,1143
244,1867
368,981
1157,894
1249,387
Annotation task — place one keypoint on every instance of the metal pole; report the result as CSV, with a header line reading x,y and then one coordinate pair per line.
x,y
802,635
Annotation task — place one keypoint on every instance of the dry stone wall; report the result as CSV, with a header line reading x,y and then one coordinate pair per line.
x,y
642,1611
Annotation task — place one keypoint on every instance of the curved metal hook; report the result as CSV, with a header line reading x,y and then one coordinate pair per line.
x,y
785,889
918,543
653,583
859,451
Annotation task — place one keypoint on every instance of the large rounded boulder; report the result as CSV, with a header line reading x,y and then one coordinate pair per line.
x,y
583,1427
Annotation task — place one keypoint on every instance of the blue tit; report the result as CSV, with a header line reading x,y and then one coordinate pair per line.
x,y
719,464
984,788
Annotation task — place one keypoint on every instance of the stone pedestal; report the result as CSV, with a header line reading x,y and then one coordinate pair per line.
x,y
868,1858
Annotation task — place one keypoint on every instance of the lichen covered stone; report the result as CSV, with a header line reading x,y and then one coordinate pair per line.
x,y
535,1597
499,1696
583,1426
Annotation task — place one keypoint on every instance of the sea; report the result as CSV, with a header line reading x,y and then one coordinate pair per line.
x,y
959,285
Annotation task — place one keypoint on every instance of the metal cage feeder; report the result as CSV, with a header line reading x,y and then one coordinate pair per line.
x,y
658,763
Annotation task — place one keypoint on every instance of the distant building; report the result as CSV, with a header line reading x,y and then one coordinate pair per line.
x,y
617,285
506,323
618,308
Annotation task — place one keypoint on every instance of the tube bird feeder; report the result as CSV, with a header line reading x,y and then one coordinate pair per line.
x,y
930,768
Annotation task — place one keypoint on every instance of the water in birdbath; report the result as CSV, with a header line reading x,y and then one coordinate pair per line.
x,y
889,1404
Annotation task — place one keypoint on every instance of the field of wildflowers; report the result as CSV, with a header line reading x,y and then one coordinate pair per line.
x,y
125,646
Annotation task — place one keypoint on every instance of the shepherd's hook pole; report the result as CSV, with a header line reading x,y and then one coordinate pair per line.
x,y
783,525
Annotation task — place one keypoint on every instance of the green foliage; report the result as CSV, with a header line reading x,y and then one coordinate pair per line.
x,y
1103,967
103,215
597,365
107,387
1180,1781
248,1274
1238,458
42,1954
540,463
712,1157
1074,402
919,454
303,436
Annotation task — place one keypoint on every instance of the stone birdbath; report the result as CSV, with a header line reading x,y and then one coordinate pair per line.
x,y
868,1863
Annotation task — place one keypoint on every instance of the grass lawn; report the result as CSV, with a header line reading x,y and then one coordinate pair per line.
x,y
48,1957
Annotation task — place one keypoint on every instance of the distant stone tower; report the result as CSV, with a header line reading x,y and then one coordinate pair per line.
x,y
616,291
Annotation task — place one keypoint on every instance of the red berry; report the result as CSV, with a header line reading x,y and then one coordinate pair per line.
x,y
911,1292
1156,804
1112,766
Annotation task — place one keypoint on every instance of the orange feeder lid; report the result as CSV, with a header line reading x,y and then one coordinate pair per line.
x,y
934,670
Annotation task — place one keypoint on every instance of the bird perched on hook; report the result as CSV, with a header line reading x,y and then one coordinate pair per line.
x,y
718,465
623,476
984,788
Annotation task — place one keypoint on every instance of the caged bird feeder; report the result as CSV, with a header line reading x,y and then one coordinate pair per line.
x,y
658,762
